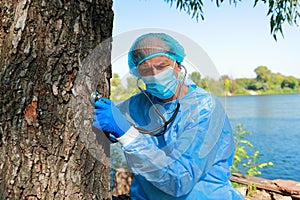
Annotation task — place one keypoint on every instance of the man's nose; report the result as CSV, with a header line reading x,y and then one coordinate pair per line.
x,y
153,70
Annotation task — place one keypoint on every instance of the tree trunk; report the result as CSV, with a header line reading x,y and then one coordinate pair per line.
x,y
52,55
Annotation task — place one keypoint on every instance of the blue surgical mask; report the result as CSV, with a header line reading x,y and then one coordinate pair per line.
x,y
162,85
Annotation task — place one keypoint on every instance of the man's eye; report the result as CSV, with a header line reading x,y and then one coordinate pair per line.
x,y
161,67
144,71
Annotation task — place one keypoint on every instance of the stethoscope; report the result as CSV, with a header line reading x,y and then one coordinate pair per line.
x,y
162,128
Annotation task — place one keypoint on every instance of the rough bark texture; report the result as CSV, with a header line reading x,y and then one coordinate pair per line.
x,y
122,182
43,51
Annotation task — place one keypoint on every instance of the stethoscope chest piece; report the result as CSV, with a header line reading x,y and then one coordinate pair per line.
x,y
95,96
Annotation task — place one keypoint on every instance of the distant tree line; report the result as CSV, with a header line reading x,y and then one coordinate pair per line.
x,y
265,82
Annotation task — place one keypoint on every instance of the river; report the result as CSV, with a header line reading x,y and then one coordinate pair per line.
x,y
274,123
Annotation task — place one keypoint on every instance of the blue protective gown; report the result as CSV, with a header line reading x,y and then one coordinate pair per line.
x,y
191,160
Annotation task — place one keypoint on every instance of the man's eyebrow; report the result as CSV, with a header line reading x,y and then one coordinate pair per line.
x,y
163,62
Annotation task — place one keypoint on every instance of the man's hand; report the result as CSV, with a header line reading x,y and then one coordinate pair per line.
x,y
109,119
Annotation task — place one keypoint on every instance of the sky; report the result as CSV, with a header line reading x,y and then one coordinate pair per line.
x,y
232,39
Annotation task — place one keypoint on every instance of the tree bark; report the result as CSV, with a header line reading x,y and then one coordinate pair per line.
x,y
52,55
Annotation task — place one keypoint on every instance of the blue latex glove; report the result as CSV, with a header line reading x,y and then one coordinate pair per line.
x,y
109,119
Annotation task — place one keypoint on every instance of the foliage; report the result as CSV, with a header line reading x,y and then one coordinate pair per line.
x,y
242,159
196,78
121,90
251,188
290,82
279,11
243,162
282,11
263,74
227,84
191,7
265,82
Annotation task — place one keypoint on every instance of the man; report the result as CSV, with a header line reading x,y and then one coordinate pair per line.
x,y
175,136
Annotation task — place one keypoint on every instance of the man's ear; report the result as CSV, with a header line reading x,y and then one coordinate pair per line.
x,y
179,68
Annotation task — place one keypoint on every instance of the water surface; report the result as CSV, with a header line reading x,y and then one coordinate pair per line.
x,y
274,123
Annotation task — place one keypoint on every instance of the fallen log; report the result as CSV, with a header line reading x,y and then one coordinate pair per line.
x,y
283,187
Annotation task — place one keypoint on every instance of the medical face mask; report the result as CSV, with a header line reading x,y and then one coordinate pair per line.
x,y
162,85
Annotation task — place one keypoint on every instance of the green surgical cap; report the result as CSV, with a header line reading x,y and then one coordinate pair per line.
x,y
153,44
